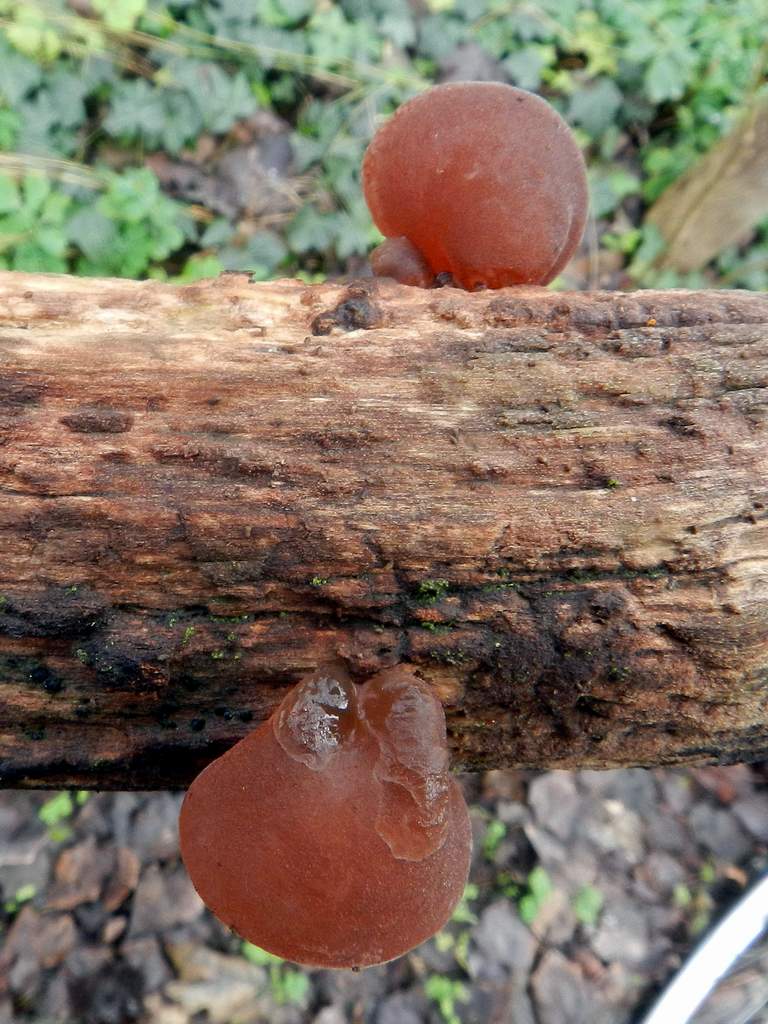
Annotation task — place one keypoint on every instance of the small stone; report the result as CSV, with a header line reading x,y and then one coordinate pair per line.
x,y
555,802
158,1011
666,834
155,833
400,1008
46,937
113,929
561,994
549,850
124,879
79,873
162,901
24,862
123,808
612,828
752,812
622,934
91,918
719,832
661,873
555,921
333,1015
110,996
633,787
147,957
676,789
221,1001
84,961
503,940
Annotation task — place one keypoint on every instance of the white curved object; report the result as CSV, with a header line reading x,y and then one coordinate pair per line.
x,y
717,953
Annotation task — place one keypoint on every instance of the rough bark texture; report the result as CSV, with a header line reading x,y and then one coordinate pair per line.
x,y
720,200
552,505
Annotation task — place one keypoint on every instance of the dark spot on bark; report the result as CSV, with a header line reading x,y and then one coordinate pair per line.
x,y
197,724
245,716
19,389
593,706
43,676
682,426
357,311
98,421
116,456
156,403
55,611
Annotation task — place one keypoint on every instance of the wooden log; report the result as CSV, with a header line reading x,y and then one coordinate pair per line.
x,y
720,200
553,506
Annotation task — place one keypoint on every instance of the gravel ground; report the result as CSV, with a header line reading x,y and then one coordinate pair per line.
x,y
587,891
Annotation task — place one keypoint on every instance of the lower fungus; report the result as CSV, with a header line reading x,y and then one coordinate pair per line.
x,y
333,835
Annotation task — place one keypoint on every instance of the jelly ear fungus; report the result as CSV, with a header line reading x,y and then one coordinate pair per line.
x,y
478,180
333,835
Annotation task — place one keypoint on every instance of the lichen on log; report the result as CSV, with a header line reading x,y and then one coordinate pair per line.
x,y
553,506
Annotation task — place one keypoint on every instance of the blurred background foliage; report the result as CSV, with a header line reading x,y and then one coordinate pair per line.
x,y
175,140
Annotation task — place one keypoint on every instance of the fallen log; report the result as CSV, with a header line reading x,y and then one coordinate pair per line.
x,y
553,506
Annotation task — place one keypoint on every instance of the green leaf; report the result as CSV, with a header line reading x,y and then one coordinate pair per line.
x,y
10,198
294,987
36,188
221,99
10,124
525,66
56,809
120,15
198,268
595,106
218,232
92,232
494,834
257,955
136,109
18,75
131,195
25,893
52,241
587,904
539,883
665,78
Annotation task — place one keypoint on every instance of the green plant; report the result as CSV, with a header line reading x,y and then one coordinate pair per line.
x,y
587,904
23,894
446,993
56,809
431,591
495,831
288,986
463,914
539,887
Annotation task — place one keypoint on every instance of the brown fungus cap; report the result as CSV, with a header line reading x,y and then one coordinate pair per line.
x,y
484,180
333,835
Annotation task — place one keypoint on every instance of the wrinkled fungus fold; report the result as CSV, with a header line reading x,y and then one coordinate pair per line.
x,y
333,835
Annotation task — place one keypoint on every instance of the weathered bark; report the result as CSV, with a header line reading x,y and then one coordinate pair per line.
x,y
552,505
721,199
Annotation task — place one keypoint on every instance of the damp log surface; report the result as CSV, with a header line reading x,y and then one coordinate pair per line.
x,y
554,506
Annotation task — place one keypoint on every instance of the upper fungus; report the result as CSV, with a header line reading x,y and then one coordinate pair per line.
x,y
333,835
479,180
